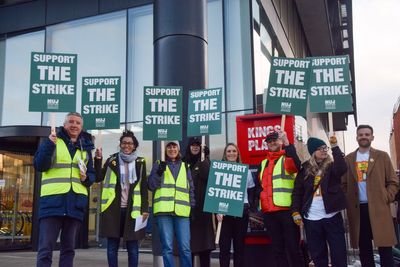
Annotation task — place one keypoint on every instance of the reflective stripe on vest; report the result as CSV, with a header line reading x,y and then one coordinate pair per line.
x,y
63,172
108,193
282,183
173,196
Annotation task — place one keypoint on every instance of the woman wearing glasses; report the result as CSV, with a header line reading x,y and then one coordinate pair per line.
x,y
317,201
124,197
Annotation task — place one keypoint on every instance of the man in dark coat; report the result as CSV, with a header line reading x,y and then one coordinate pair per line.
x,y
65,160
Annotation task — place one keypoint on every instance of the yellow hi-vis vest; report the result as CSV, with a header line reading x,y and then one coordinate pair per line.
x,y
282,183
108,192
173,196
64,172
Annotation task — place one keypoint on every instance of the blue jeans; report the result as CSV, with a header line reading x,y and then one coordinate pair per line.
x,y
49,229
112,252
113,245
170,226
321,232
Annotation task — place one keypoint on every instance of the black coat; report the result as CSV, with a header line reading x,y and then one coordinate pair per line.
x,y
110,218
201,224
332,194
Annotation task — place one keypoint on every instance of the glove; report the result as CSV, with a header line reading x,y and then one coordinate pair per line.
x,y
161,168
297,218
206,151
333,141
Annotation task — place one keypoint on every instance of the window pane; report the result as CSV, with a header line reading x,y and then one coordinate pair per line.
x,y
215,57
17,78
99,42
140,59
238,55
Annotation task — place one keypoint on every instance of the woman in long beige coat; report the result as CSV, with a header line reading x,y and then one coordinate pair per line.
x,y
381,187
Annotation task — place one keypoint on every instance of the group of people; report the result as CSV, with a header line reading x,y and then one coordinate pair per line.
x,y
290,195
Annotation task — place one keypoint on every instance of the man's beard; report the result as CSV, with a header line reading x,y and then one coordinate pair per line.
x,y
362,143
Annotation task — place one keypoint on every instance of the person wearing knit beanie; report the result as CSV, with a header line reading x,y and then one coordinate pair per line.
x,y
313,144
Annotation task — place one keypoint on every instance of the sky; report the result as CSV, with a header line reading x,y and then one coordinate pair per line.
x,y
376,35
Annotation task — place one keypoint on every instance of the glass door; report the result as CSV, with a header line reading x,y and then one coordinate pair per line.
x,y
16,199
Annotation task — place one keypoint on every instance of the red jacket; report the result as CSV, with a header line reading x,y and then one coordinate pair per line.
x,y
291,164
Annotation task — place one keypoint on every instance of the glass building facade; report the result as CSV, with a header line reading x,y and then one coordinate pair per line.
x,y
242,36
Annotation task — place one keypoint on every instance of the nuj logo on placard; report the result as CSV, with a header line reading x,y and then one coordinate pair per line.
x,y
223,207
203,129
286,106
53,103
162,133
330,104
100,122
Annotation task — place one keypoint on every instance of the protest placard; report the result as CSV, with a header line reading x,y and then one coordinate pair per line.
x,y
204,112
226,188
101,102
53,82
330,88
287,91
162,113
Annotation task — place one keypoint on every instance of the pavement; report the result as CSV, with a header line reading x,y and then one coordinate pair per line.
x,y
92,257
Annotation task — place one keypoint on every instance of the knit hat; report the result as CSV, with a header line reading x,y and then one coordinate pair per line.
x,y
194,140
272,136
176,142
313,144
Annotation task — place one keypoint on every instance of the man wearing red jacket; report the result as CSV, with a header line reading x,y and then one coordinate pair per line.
x,y
275,185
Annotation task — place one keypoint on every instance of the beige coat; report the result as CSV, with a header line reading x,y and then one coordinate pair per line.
x,y
382,186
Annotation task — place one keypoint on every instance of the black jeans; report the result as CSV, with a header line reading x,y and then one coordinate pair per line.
x,y
365,244
285,237
321,232
233,229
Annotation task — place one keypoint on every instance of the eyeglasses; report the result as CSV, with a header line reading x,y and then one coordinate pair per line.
x,y
127,143
324,148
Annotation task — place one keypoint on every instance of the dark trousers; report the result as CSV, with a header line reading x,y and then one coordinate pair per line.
x,y
49,229
204,258
365,243
113,246
233,229
321,232
285,237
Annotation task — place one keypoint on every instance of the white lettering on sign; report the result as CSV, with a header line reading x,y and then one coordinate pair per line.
x,y
163,91
204,93
205,104
215,116
261,131
257,145
101,94
162,119
330,90
225,193
228,179
100,109
228,166
45,58
290,77
256,136
163,105
328,75
288,92
54,73
53,89
328,61
291,63
100,81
